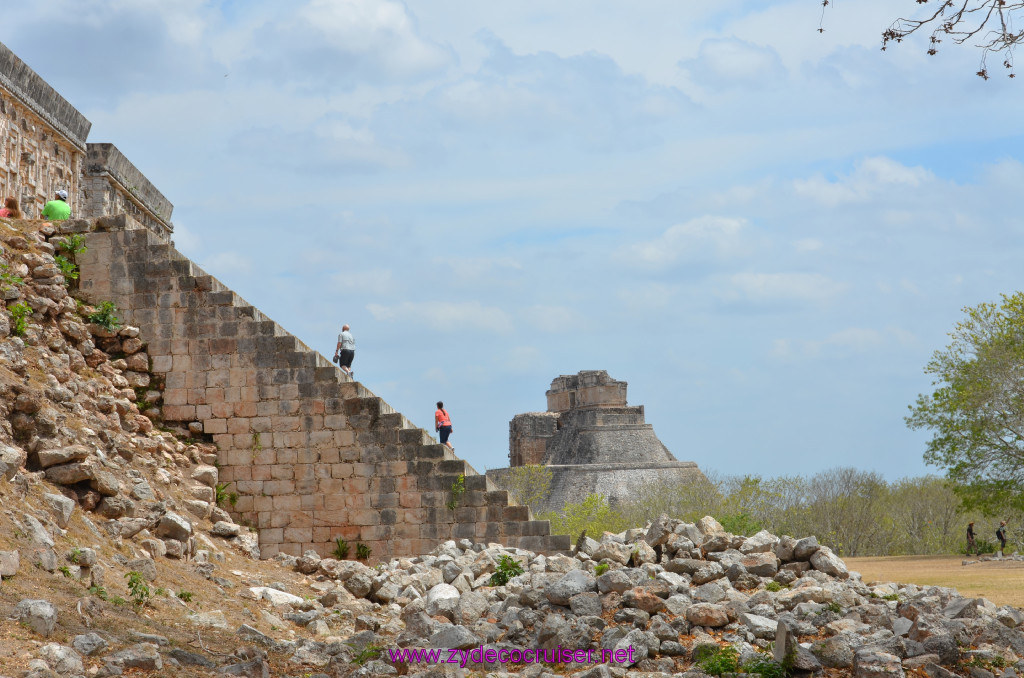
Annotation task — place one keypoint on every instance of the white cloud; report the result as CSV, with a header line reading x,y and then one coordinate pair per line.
x,y
474,268
364,281
445,316
700,238
872,177
807,245
727,62
775,287
845,342
225,263
554,319
379,28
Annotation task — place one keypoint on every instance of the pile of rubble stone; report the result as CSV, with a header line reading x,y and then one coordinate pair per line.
x,y
666,592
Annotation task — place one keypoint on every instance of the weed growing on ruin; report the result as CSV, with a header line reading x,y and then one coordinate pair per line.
x,y
98,591
368,653
891,596
74,245
362,551
765,665
601,569
458,489
76,555
138,588
222,495
508,567
9,278
67,267
104,316
19,318
340,549
990,665
118,600
160,592
65,570
186,596
257,445
773,586
715,661
834,607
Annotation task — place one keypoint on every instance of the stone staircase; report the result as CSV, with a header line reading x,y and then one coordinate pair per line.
x,y
313,457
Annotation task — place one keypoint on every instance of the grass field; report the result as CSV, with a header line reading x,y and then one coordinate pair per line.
x,y
1000,582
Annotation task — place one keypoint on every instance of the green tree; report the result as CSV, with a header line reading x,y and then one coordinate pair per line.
x,y
593,514
976,412
530,484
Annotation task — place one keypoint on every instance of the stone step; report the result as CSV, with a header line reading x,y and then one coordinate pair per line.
x,y
415,436
393,420
363,406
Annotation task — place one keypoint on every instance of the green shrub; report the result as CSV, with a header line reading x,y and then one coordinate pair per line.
x,y
138,588
340,549
98,591
982,546
65,570
601,569
740,523
362,551
715,661
73,244
458,489
222,495
765,665
19,317
834,607
508,567
104,316
67,267
593,515
185,596
773,586
368,653
9,278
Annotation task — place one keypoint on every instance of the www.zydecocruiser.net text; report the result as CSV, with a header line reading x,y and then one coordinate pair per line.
x,y
481,655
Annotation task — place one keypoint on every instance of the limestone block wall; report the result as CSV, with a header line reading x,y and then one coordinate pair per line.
x,y
42,138
590,388
528,436
312,456
111,184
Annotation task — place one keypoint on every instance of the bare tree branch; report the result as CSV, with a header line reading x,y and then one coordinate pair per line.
x,y
991,22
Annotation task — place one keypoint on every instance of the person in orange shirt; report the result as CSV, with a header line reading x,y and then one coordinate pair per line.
x,y
443,424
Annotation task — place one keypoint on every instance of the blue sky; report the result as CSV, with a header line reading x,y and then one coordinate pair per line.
x,y
765,230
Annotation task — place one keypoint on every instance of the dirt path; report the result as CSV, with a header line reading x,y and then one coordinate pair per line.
x,y
1000,582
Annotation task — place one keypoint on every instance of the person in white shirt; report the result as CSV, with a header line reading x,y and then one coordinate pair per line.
x,y
345,351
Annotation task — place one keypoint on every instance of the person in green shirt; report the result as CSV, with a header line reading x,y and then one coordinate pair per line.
x,y
58,209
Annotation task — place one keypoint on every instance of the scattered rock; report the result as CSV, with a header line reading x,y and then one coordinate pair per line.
x,y
38,615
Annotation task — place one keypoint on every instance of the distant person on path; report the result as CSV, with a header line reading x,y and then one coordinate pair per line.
x,y
1001,536
971,546
443,424
345,351
58,209
10,210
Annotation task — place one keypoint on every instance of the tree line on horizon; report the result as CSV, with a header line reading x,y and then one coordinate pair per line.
x,y
976,415
854,512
